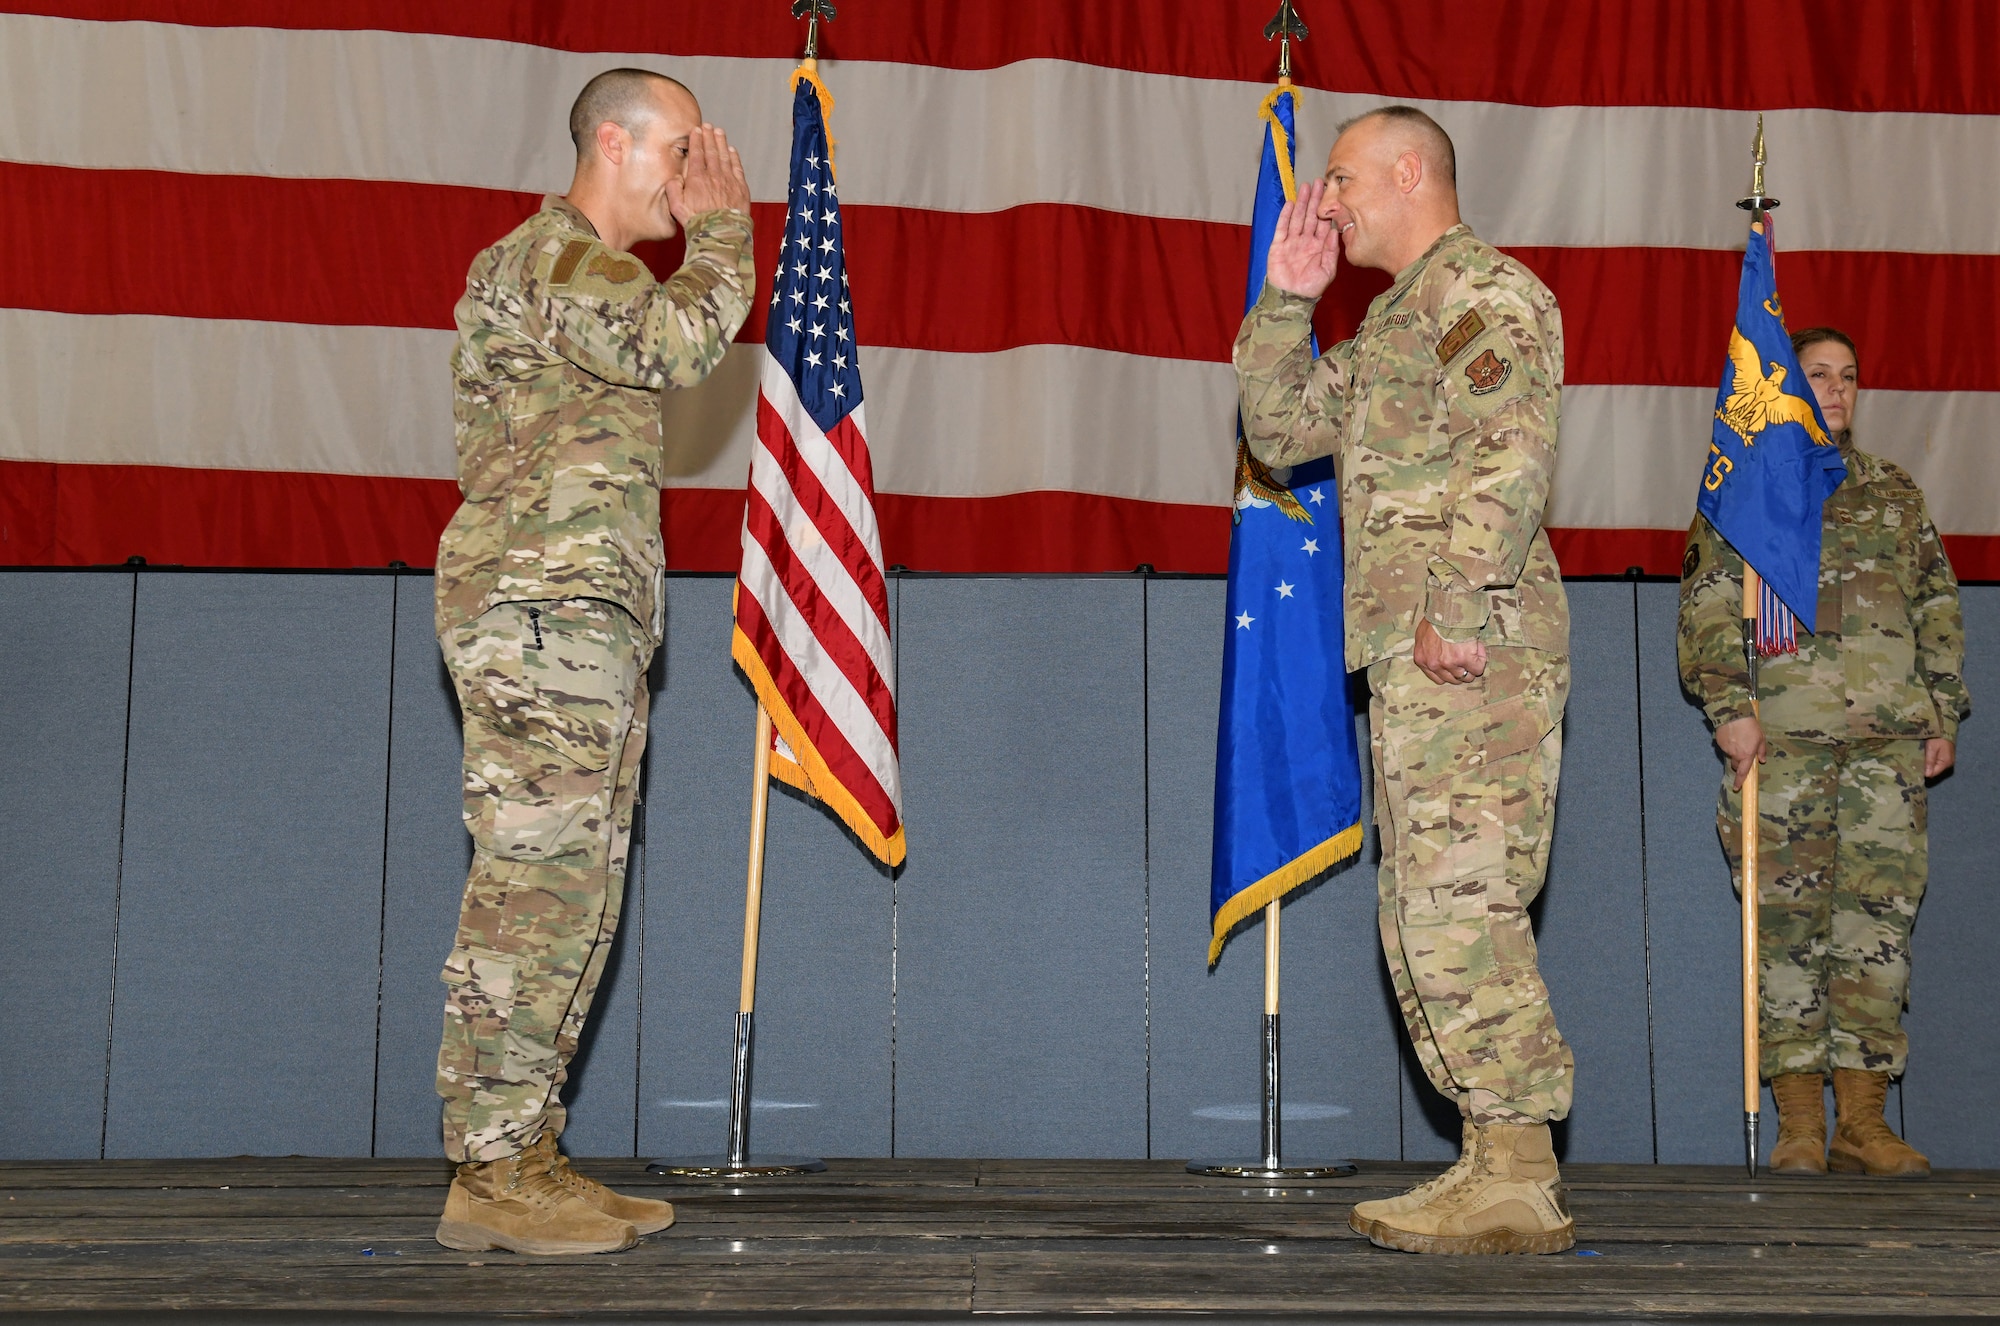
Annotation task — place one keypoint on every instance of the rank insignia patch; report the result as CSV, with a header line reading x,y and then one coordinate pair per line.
x,y
565,267
1460,336
1487,372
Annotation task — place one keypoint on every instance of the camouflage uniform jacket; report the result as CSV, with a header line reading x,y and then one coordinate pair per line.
x,y
564,345
1887,655
1441,416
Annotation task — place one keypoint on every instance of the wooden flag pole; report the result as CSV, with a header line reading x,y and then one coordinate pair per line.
x,y
1752,1081
753,913
738,1162
753,895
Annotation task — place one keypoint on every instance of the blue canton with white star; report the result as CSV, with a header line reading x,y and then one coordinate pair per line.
x,y
811,329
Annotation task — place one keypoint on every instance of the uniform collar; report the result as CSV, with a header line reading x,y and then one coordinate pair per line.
x,y
1415,269
569,212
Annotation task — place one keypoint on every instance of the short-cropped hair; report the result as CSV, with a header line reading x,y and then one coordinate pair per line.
x,y
620,96
1432,132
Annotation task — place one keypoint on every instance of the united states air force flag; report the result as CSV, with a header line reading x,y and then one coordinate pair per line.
x,y
1771,465
1287,776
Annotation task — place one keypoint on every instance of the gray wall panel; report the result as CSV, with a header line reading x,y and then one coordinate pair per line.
x,y
697,828
1954,1073
1339,1050
602,1093
1021,982
1033,984
1697,1028
252,896
1694,914
63,669
822,1071
428,852
1590,923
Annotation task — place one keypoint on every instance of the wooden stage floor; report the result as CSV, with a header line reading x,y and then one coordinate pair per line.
x,y
1053,1239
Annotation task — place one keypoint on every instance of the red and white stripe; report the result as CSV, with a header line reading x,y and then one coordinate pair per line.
x,y
232,242
812,614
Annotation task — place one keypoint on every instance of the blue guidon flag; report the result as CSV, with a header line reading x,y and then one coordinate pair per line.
x,y
1771,465
1287,767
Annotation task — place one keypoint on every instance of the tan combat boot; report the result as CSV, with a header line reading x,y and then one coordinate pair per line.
x,y
644,1214
1366,1213
1511,1200
1862,1142
517,1204
1801,1145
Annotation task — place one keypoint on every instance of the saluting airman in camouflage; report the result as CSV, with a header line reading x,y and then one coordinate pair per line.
x,y
549,608
1441,414
1851,726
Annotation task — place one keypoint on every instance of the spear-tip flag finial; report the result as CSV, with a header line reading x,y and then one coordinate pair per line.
x,y
1757,200
1285,27
815,10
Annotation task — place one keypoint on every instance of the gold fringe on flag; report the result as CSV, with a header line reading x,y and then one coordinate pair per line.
x,y
1281,881
809,774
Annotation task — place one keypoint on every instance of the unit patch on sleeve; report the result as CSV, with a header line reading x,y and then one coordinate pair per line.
x,y
1461,335
615,270
1692,562
1486,373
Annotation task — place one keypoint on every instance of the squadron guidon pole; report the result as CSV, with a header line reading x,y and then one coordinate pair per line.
x,y
1757,203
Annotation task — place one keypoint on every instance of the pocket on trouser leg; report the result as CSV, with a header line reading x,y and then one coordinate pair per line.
x,y
559,674
478,1005
525,803
1475,965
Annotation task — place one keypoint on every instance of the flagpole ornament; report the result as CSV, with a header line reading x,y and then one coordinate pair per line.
x,y
1756,201
1285,27
814,11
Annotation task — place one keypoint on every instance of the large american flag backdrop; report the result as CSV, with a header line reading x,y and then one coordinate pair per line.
x,y
234,232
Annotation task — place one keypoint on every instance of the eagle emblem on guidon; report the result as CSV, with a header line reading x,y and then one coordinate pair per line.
x,y
1259,485
1756,401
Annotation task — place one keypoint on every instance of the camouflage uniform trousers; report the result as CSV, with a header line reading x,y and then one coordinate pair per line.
x,y
554,702
1465,788
1841,869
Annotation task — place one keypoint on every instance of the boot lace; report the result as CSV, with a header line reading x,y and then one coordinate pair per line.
x,y
535,1186
1467,1159
582,1185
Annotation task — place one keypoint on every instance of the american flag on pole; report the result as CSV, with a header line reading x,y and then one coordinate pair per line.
x,y
812,607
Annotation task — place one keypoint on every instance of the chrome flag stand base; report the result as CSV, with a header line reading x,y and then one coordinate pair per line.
x,y
715,1167
739,1163
1271,1168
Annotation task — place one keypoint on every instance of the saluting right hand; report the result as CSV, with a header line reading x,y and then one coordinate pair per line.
x,y
711,180
1305,252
